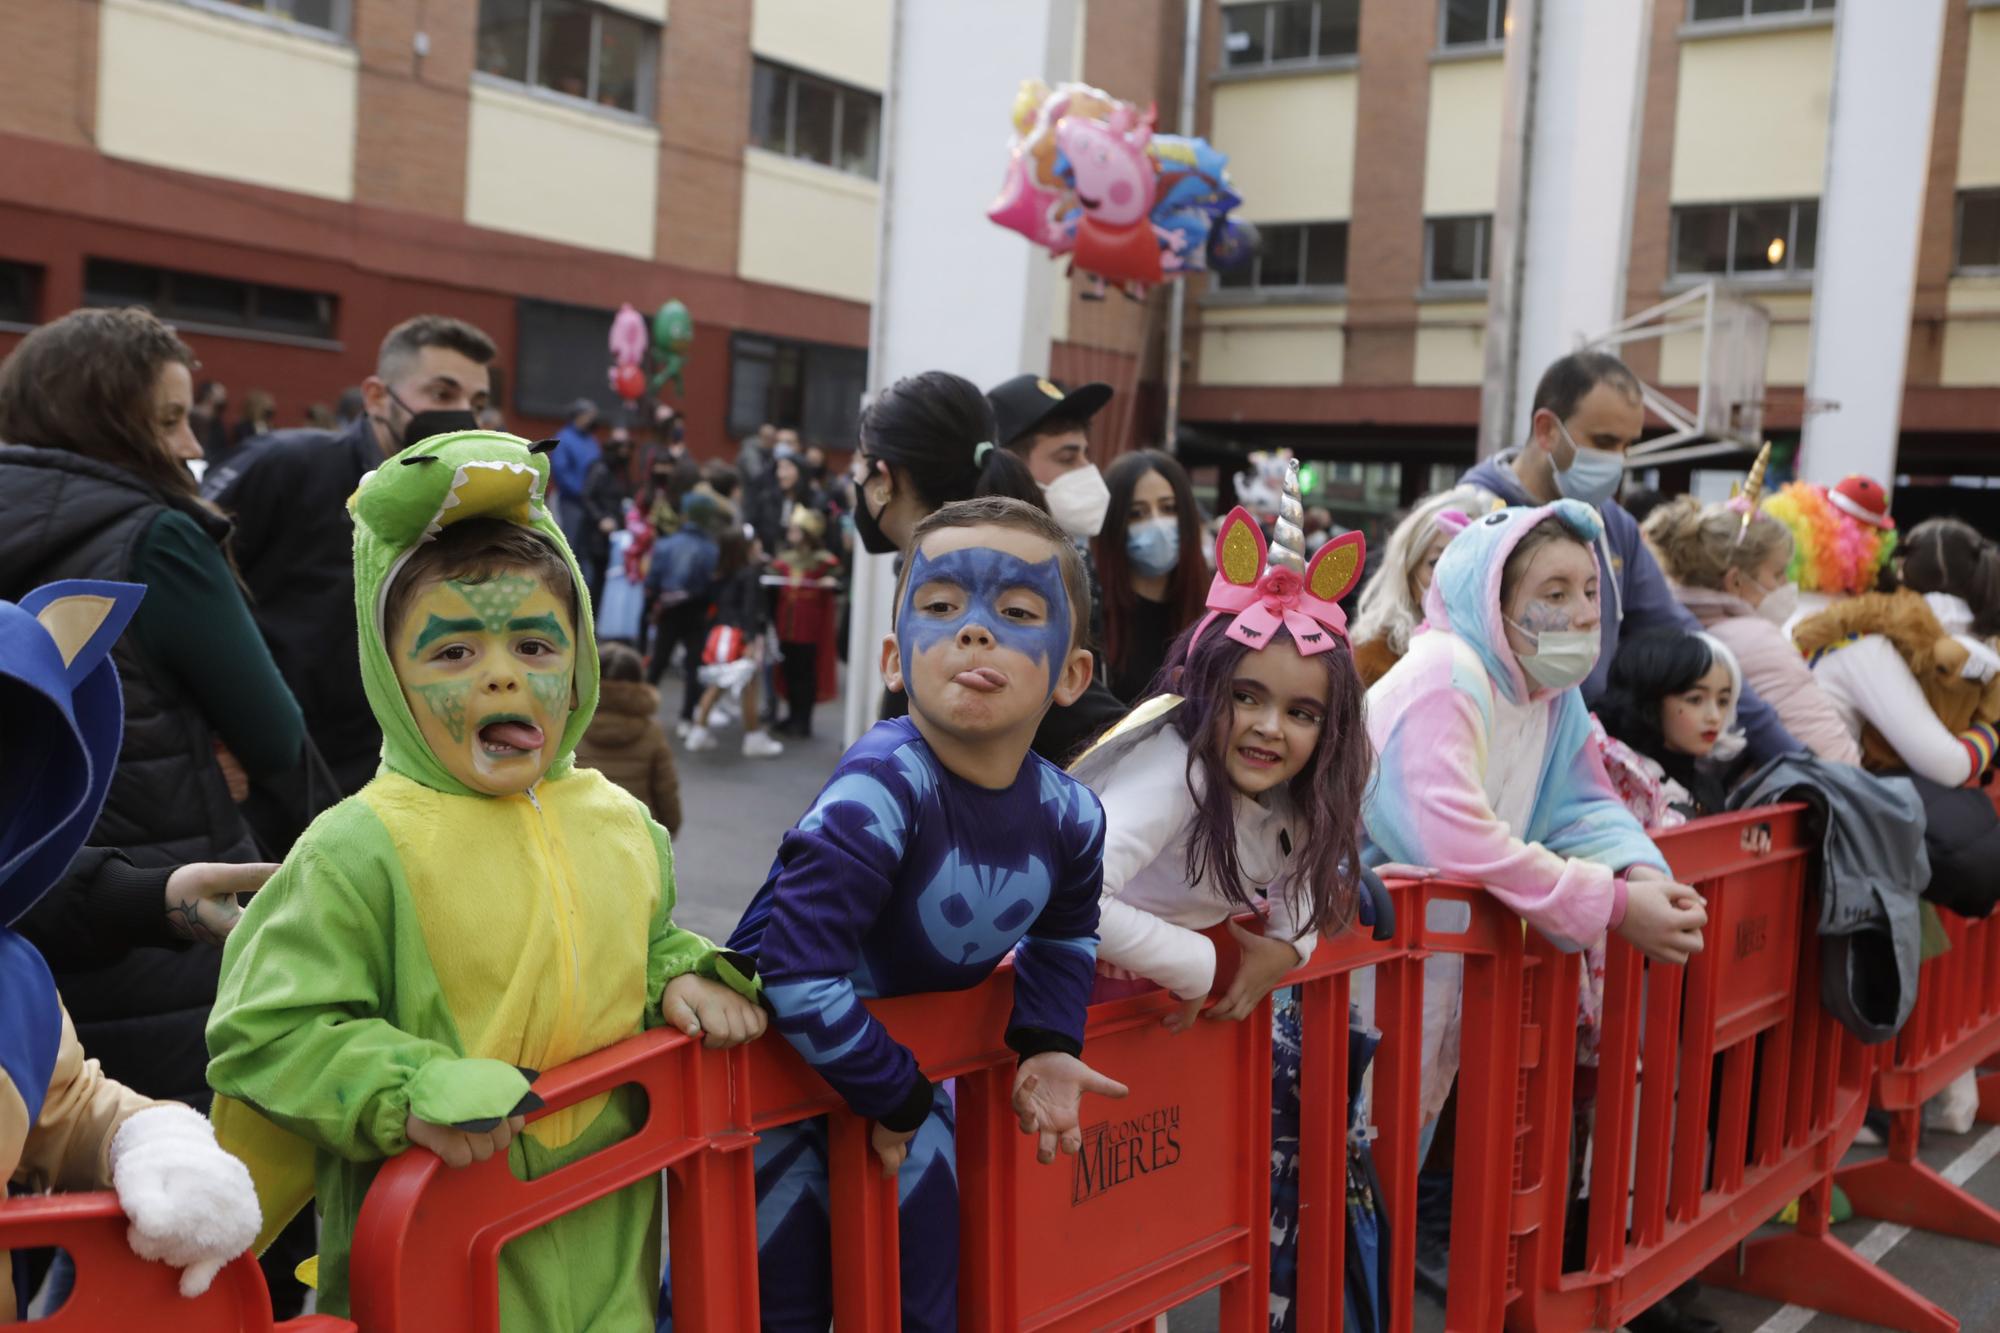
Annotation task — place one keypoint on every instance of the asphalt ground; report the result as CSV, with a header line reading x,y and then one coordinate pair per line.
x,y
735,810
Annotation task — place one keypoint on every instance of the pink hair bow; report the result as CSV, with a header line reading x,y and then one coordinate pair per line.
x,y
1263,596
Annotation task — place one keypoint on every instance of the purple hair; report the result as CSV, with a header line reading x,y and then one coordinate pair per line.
x,y
1325,868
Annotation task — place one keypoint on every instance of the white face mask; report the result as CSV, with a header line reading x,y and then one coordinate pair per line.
x,y
1561,658
1779,604
1079,500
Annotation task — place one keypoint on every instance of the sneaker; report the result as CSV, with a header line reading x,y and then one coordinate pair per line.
x,y
682,727
759,745
699,738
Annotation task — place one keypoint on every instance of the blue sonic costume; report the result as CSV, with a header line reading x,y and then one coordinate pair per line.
x,y
63,1124
904,878
425,949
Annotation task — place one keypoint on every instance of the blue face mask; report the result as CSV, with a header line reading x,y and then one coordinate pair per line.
x,y
1154,547
985,575
1593,475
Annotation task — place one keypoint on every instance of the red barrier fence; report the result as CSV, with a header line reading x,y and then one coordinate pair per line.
x,y
1742,1091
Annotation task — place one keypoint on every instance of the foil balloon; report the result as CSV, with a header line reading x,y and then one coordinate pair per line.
x,y
629,383
1114,184
673,334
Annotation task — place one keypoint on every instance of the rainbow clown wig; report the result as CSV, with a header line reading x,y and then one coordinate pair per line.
x,y
1832,553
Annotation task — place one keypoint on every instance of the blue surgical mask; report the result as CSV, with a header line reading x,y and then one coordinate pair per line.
x,y
1154,547
1593,475
985,575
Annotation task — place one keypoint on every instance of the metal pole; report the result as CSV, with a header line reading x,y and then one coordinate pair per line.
x,y
1177,298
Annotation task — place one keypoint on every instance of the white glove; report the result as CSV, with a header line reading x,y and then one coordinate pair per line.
x,y
1981,662
191,1204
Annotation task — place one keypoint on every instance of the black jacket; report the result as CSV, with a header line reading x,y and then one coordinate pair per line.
x,y
294,542
66,516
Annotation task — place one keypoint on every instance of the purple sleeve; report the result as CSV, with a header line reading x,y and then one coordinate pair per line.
x,y
1056,963
835,876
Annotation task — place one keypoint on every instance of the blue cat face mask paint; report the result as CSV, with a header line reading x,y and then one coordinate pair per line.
x,y
979,625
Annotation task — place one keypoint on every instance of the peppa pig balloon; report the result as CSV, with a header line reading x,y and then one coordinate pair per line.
x,y
628,336
1114,183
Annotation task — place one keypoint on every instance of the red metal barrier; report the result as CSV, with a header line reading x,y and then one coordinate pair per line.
x,y
1724,1091
117,1290
1954,1028
1184,1211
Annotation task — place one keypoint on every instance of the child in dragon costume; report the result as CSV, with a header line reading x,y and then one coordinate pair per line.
x,y
63,1124
482,910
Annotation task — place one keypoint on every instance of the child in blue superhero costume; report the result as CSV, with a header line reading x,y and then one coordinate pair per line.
x,y
939,846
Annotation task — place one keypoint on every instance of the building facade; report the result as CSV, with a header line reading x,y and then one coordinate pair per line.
x,y
1365,138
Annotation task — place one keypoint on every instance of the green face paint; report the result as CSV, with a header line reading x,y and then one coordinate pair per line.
x,y
447,702
551,690
495,600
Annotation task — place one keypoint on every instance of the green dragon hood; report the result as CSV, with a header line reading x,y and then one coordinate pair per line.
x,y
409,500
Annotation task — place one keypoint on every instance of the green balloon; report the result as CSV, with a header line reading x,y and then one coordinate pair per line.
x,y
673,328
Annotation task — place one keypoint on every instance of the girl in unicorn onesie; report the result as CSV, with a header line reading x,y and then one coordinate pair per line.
x,y
1486,771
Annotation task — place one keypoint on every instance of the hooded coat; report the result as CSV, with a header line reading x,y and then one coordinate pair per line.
x,y
1485,777
425,948
1774,668
1635,592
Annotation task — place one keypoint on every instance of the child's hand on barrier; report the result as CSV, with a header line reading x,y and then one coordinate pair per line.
x,y
463,1147
1663,919
1047,1090
1264,964
1757,839
892,1146
710,1010
1182,1016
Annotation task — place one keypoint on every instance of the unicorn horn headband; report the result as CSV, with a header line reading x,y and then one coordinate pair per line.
x,y
1268,587
1753,489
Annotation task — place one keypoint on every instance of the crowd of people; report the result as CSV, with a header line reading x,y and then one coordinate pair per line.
x,y
397,676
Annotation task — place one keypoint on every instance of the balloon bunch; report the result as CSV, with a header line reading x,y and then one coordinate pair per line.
x,y
644,357
1088,178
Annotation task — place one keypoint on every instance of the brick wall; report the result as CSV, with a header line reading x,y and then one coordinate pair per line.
x,y
1935,242
1385,238
48,69
704,105
414,115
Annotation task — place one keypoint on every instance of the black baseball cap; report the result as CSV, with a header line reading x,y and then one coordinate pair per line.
x,y
1026,401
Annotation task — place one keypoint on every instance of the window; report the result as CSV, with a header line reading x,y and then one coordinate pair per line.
x,y
1735,11
1293,254
1979,231
580,50
329,15
1472,23
1287,32
1455,251
1774,240
801,115
560,354
20,293
202,299
810,387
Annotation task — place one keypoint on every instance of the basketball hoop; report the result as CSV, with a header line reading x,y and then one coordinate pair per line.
x,y
1729,403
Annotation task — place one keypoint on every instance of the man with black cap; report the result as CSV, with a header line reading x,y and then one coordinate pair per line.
x,y
1046,428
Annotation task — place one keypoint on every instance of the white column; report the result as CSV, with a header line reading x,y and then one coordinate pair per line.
x,y
954,292
1878,147
1562,226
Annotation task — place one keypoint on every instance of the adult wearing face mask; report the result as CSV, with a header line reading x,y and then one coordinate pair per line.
x,y
1731,576
294,541
1587,414
926,441
1149,556
1047,428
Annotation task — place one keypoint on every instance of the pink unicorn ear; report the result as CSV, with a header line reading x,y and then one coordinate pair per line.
x,y
1337,567
1240,549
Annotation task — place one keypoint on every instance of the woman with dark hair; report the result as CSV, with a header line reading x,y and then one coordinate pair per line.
x,y
1958,572
94,485
926,441
1149,561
